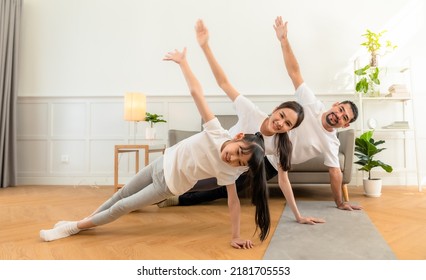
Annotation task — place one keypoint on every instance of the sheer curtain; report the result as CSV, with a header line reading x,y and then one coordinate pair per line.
x,y
10,16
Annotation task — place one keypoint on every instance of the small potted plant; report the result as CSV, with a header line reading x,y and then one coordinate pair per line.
x,y
373,44
366,149
152,119
369,82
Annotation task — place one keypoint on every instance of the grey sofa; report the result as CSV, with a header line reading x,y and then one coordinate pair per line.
x,y
311,172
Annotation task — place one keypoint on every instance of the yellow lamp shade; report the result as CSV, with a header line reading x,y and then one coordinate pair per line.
x,y
134,106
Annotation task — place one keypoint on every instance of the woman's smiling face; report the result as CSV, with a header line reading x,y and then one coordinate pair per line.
x,y
281,121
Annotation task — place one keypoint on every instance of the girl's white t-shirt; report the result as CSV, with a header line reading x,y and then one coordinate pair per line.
x,y
199,157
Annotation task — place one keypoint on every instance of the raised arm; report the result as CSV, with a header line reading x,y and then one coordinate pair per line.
x,y
203,40
193,84
290,61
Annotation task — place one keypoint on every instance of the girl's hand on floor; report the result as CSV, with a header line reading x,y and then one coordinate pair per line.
x,y
238,243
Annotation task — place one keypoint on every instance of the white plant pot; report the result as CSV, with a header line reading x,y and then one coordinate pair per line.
x,y
150,133
373,187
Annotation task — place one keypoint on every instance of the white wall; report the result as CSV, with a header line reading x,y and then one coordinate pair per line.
x,y
81,50
106,47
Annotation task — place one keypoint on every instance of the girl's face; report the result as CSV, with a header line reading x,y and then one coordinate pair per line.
x,y
232,153
281,121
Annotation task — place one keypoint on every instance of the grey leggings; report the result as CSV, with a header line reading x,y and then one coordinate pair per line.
x,y
147,187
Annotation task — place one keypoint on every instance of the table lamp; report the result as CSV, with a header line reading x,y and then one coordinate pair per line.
x,y
134,109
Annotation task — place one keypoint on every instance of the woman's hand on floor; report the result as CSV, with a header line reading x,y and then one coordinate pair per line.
x,y
310,220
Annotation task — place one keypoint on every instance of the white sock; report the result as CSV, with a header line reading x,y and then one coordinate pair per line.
x,y
60,223
64,230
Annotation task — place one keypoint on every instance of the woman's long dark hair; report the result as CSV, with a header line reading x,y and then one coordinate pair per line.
x,y
282,140
256,178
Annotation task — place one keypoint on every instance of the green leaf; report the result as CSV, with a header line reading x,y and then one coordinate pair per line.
x,y
385,166
362,71
362,85
367,135
379,142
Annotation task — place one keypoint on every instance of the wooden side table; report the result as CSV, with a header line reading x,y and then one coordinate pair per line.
x,y
119,149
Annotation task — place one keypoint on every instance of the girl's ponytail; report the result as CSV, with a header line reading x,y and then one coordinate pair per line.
x,y
256,177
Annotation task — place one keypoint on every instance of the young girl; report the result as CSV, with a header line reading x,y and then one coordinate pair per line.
x,y
210,153
274,128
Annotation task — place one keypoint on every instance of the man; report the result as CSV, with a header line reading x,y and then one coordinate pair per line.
x,y
317,135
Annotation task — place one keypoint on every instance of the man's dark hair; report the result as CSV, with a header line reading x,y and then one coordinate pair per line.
x,y
354,109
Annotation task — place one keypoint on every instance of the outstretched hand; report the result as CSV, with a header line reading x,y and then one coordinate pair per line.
x,y
280,28
202,33
176,56
239,243
349,207
310,220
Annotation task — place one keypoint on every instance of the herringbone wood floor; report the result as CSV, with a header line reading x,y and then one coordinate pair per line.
x,y
185,233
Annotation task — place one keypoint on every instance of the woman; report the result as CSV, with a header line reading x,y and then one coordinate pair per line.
x,y
274,128
210,153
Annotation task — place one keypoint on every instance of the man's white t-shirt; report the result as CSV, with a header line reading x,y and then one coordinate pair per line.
x,y
199,157
311,139
250,119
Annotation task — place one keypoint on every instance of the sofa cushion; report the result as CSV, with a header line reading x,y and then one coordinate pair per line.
x,y
316,165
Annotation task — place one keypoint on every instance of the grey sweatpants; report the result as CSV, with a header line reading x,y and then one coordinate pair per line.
x,y
147,187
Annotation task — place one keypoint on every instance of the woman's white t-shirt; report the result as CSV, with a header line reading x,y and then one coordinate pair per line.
x,y
199,157
250,119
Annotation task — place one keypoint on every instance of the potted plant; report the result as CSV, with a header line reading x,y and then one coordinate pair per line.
x,y
366,148
369,82
152,119
373,44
